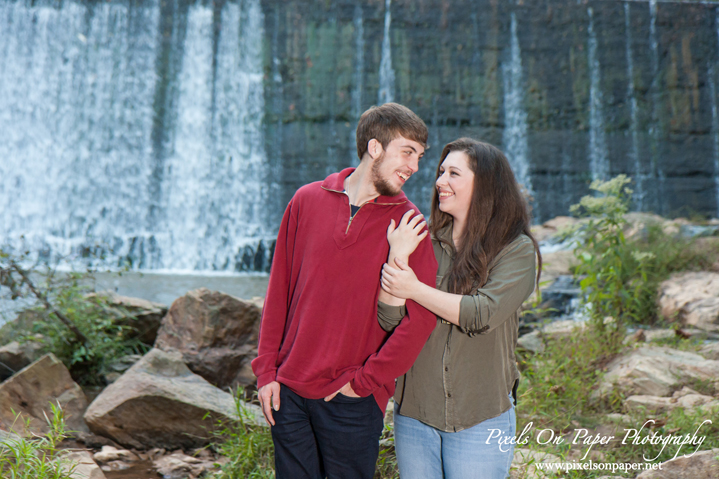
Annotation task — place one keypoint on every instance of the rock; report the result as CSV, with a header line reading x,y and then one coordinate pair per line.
x,y
119,366
85,467
159,402
523,464
93,441
143,316
685,399
30,392
710,351
216,334
692,298
654,371
15,356
181,466
109,454
701,465
531,342
659,334
553,227
565,327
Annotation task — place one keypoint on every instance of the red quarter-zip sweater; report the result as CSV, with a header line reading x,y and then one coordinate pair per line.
x,y
319,325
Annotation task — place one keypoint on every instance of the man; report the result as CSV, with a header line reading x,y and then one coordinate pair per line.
x,y
325,368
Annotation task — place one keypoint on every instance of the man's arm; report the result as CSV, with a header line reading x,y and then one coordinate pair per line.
x,y
274,315
403,346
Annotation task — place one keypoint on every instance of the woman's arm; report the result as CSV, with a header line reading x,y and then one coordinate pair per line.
x,y
511,281
403,240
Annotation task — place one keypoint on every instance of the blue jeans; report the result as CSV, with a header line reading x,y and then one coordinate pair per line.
x,y
424,452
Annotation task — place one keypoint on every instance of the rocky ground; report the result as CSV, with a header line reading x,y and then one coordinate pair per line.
x,y
156,416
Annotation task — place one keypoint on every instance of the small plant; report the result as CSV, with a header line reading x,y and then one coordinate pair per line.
x,y
37,457
614,273
247,444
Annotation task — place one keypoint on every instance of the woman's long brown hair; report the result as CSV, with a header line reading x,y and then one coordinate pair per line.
x,y
498,213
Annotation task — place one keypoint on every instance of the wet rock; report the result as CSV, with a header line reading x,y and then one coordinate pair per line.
x,y
110,454
84,466
181,466
562,296
143,316
159,402
14,356
691,298
216,334
523,464
30,392
701,465
655,371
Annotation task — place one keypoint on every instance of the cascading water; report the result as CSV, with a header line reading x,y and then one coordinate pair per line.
x,y
514,136
77,96
715,119
358,85
633,110
598,158
654,132
715,129
386,72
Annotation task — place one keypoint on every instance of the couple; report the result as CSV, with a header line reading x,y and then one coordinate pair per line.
x,y
339,325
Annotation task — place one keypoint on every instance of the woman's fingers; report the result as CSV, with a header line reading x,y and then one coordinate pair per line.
x,y
415,219
406,217
391,228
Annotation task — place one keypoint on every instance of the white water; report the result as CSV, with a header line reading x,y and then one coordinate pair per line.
x,y
358,82
514,136
633,109
598,157
76,117
76,98
386,72
654,132
715,121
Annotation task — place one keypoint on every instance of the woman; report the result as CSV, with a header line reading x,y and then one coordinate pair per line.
x,y
454,413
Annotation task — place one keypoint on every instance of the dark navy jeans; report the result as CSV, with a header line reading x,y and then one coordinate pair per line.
x,y
315,439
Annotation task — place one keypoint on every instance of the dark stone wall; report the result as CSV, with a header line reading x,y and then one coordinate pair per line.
x,y
448,59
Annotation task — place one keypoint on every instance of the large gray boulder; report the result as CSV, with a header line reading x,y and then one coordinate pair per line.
x,y
692,299
159,402
656,371
216,334
31,391
701,465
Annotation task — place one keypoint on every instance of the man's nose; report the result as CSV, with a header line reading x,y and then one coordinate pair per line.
x,y
414,164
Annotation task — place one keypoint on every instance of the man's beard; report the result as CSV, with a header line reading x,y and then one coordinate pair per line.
x,y
383,187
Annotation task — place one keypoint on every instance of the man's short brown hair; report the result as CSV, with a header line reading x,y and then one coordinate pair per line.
x,y
387,122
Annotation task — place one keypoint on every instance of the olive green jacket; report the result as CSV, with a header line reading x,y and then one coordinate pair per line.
x,y
465,374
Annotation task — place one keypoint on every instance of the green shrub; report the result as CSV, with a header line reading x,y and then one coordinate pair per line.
x,y
83,331
37,457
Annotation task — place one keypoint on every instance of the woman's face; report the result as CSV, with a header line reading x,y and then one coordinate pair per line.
x,y
455,184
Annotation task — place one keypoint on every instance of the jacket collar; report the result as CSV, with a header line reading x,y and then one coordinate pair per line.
x,y
336,181
444,236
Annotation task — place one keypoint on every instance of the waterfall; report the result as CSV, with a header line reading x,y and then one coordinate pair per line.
x,y
77,95
514,136
358,86
633,128
715,120
386,72
76,116
655,171
598,158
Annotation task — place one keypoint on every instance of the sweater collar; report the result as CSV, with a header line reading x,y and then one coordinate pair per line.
x,y
335,183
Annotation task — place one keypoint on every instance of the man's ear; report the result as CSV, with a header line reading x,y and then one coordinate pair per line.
x,y
374,148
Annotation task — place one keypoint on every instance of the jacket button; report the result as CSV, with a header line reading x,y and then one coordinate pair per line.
x,y
446,368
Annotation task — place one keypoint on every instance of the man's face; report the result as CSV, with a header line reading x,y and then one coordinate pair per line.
x,y
395,165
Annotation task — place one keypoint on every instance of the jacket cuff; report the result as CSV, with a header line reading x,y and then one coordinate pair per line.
x,y
388,316
265,379
470,315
